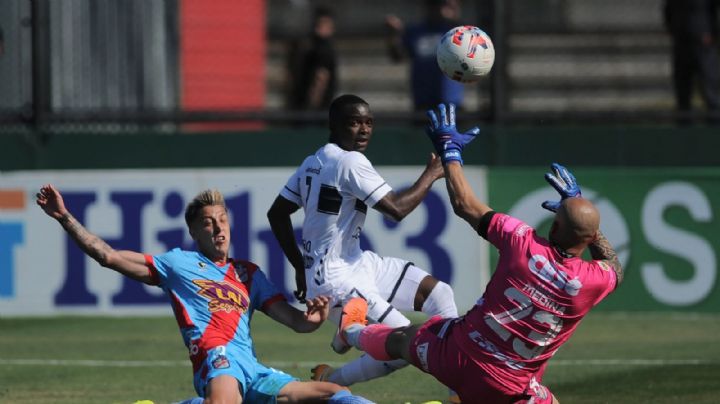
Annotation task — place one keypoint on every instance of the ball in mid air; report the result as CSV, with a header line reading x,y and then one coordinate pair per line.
x,y
465,54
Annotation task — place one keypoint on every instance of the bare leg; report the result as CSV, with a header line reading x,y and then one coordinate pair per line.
x,y
310,392
223,389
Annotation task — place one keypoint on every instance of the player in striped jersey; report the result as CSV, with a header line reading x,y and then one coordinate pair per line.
x,y
213,297
335,186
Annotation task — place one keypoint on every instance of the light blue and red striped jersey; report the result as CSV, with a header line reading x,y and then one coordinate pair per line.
x,y
213,304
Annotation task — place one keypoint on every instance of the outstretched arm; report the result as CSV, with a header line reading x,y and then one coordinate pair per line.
x,y
282,228
397,205
449,143
601,249
128,263
299,321
464,202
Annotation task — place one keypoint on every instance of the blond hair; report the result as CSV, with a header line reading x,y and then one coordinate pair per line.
x,y
208,197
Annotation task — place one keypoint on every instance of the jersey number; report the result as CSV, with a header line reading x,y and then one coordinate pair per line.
x,y
308,182
524,309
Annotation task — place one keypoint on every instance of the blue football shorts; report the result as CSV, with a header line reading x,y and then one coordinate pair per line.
x,y
259,383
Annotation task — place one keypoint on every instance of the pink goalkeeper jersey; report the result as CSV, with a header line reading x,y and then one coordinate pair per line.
x,y
531,306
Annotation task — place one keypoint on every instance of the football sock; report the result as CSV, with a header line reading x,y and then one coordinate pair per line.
x,y
372,340
441,302
352,334
363,369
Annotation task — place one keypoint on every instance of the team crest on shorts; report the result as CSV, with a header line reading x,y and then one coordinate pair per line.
x,y
221,362
422,351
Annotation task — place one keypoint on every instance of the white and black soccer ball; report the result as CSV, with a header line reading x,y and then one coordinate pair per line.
x,y
465,54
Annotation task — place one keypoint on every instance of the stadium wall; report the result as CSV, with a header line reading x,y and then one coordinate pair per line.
x,y
43,272
603,146
657,193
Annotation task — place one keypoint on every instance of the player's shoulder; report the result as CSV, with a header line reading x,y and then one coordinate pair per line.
x,y
351,159
179,253
593,275
313,158
308,161
512,224
600,266
178,260
244,268
245,263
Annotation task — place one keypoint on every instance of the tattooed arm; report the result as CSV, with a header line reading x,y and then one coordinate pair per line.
x,y
600,249
129,263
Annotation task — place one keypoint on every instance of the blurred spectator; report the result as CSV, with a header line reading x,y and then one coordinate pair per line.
x,y
2,42
693,27
312,65
418,42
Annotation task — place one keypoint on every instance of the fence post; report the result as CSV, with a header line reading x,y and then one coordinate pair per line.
x,y
40,63
499,76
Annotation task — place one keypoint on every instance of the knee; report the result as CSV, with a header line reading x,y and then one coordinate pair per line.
x,y
440,301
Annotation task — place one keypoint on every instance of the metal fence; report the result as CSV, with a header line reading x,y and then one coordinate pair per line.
x,y
85,60
112,61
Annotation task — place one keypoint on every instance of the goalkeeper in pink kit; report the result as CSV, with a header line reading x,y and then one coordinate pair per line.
x,y
541,289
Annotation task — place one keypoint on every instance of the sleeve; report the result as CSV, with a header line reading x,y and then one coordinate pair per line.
x,y
162,265
484,224
606,276
359,178
507,232
609,273
264,293
291,190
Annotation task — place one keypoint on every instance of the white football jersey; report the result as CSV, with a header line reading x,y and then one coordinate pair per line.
x,y
334,187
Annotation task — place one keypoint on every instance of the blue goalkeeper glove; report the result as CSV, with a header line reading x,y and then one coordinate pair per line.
x,y
448,142
564,182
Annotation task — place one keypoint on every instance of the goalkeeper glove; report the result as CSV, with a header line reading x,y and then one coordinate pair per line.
x,y
448,142
564,183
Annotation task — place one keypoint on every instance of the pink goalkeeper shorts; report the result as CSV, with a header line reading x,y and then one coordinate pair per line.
x,y
439,356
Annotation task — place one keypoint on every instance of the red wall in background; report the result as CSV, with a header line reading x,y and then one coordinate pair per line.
x,y
222,54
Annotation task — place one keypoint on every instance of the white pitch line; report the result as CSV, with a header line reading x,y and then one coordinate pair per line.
x,y
91,363
632,362
282,364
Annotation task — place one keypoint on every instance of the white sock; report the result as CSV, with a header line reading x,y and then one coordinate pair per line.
x,y
352,335
363,369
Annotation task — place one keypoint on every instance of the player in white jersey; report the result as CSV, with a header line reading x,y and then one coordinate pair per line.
x,y
335,186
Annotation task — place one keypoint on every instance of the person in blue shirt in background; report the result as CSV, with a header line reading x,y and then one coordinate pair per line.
x,y
418,42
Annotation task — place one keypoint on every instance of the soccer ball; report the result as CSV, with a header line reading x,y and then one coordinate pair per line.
x,y
465,54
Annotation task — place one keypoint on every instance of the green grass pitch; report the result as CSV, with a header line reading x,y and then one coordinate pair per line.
x,y
612,358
